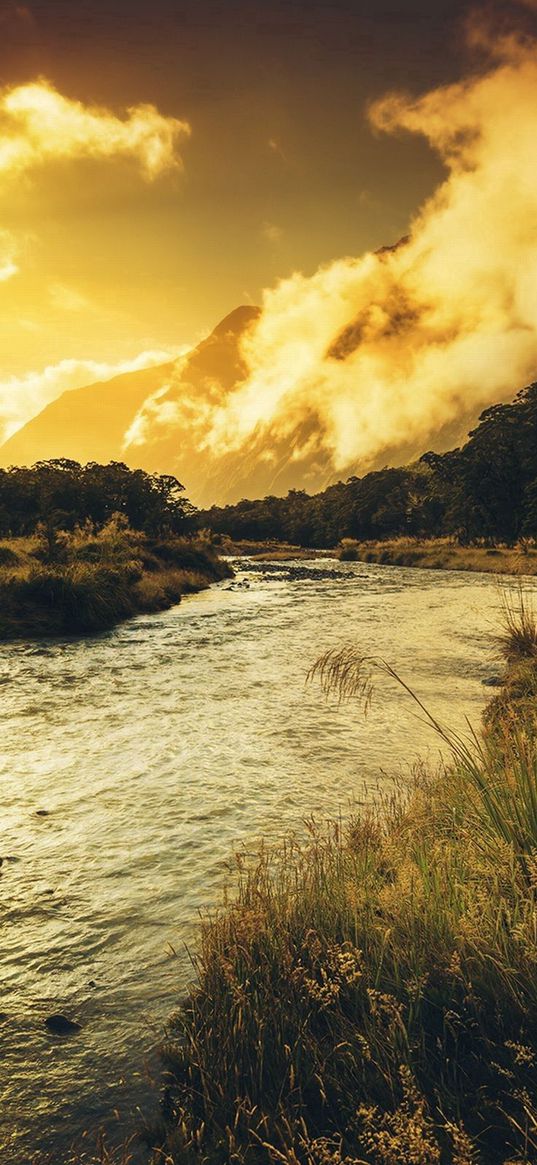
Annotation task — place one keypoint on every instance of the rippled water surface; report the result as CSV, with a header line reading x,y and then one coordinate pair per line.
x,y
156,749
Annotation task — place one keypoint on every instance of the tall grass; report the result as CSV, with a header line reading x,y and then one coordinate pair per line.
x,y
518,636
370,996
97,579
516,703
443,554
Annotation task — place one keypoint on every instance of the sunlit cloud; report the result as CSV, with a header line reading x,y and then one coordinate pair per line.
x,y
7,270
276,148
38,124
68,299
370,358
385,349
8,256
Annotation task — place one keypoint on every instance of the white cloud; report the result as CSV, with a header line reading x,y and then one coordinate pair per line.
x,y
385,349
68,299
38,124
8,256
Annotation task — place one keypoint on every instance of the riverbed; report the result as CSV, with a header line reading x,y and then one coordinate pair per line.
x,y
135,763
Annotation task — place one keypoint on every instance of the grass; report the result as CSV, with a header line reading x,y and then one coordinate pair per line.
x,y
433,554
270,550
370,995
516,702
97,580
518,637
442,554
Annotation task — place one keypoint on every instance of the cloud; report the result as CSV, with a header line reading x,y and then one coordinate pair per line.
x,y
22,397
384,350
276,148
38,124
7,270
8,256
68,299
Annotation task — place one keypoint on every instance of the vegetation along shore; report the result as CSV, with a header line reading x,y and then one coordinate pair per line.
x,y
432,554
87,547
442,554
370,996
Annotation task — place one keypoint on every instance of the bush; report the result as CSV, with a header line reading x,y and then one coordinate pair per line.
x,y
348,551
9,556
103,579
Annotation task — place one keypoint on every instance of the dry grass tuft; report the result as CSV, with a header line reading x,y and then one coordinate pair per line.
x,y
443,554
518,638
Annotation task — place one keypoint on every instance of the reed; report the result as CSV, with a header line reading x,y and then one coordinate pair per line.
x,y
518,636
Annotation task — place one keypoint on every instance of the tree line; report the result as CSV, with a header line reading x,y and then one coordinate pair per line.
x,y
485,491
61,494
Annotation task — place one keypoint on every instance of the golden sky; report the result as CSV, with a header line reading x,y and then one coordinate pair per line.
x,y
161,163
123,233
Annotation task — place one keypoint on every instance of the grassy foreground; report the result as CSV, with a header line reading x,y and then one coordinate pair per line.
x,y
85,582
371,995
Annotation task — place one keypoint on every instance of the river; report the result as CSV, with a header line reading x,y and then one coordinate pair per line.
x,y
135,762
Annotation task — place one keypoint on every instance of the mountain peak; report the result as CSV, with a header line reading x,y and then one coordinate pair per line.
x,y
237,320
72,424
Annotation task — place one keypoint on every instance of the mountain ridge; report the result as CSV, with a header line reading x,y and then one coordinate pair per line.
x,y
158,418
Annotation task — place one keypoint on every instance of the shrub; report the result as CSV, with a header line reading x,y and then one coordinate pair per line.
x,y
8,556
102,579
518,638
348,551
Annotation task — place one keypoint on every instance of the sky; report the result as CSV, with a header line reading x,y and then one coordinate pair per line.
x,y
161,163
280,171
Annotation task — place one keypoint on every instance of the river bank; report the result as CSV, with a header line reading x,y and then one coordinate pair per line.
x,y
160,749
441,554
84,582
370,995
434,554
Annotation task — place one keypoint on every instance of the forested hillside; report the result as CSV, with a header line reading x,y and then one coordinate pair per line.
x,y
61,495
484,491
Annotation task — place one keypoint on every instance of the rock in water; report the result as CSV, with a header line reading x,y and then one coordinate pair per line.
x,y
61,1025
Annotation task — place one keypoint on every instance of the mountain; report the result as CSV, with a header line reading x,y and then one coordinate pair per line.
x,y
86,424
91,423
157,419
